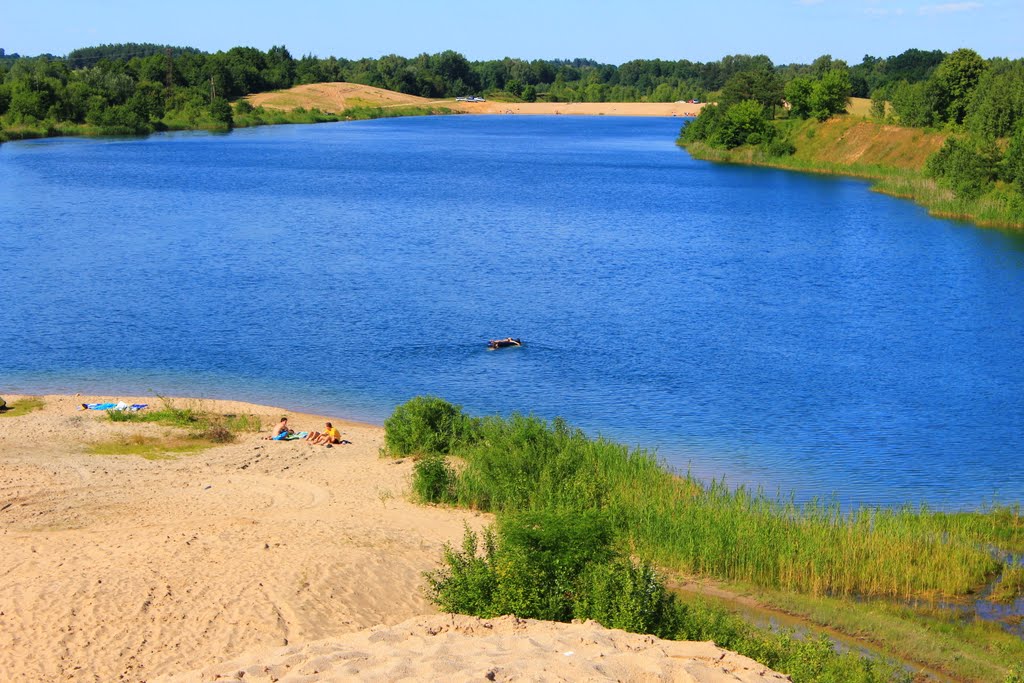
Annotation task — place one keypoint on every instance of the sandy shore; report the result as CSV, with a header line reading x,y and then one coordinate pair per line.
x,y
336,97
278,556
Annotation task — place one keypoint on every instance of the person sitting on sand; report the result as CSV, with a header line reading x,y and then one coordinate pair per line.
x,y
329,436
281,428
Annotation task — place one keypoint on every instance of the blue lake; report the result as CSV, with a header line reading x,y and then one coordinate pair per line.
x,y
793,331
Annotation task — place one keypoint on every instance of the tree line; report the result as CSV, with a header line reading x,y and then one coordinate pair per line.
x,y
140,87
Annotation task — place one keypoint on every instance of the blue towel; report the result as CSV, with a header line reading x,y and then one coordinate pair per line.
x,y
138,406
100,406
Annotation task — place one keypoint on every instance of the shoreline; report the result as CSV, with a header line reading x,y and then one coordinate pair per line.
x,y
274,555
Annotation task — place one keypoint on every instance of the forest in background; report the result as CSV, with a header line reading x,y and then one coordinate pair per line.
x,y
138,88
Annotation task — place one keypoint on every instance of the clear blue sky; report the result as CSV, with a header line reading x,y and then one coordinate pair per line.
x,y
612,31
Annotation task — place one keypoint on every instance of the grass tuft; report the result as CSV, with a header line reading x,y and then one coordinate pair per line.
x,y
148,447
22,407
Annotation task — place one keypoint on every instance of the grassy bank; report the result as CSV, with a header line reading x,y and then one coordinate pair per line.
x,y
892,156
774,546
244,116
261,116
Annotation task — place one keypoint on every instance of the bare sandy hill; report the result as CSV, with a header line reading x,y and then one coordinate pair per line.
x,y
119,568
336,97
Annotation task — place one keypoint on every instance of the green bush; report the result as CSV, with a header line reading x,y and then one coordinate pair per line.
x,y
427,425
780,147
433,480
552,566
562,566
627,595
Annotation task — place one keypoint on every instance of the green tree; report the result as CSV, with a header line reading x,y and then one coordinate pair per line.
x,y
830,94
1013,163
761,85
220,112
798,95
743,123
997,103
913,104
955,80
968,167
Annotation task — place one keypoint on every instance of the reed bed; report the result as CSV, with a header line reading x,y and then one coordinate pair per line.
x,y
526,464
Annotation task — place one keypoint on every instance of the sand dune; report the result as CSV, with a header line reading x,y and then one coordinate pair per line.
x,y
335,97
122,568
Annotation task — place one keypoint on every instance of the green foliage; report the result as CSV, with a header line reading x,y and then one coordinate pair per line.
x,y
954,81
762,85
878,105
1012,168
798,94
1010,586
427,425
553,566
997,103
21,407
563,566
830,94
1016,674
780,147
433,480
524,464
210,427
220,111
969,167
729,127
913,104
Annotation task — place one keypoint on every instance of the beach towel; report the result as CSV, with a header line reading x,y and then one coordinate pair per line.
x,y
120,405
290,436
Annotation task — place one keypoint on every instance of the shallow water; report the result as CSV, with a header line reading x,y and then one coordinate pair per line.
x,y
793,331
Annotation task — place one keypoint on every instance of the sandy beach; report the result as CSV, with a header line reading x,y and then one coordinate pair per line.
x,y
336,97
273,560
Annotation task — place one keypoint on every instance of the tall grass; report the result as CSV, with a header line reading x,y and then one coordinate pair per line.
x,y
203,424
525,464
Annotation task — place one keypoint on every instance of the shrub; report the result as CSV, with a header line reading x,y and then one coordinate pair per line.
x,y
552,566
627,595
433,480
780,147
967,166
217,433
562,566
427,425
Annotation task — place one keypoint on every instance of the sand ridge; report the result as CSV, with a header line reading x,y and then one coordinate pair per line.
x,y
336,97
118,568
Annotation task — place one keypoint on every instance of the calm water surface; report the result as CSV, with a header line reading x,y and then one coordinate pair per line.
x,y
792,331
